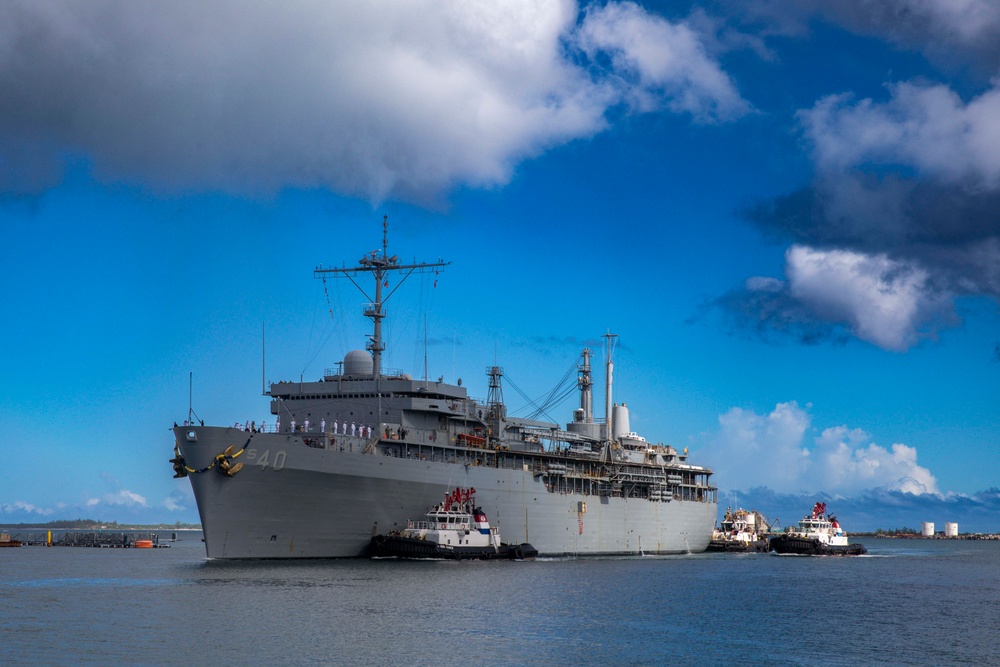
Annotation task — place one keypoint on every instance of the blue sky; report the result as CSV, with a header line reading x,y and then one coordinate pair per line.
x,y
787,212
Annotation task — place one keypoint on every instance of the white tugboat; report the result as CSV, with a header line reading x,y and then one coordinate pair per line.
x,y
455,529
742,531
818,534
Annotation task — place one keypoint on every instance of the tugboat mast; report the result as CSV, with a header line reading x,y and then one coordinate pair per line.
x,y
378,264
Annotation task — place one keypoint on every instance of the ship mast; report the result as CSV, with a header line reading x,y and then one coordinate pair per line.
x,y
496,411
586,383
378,264
494,399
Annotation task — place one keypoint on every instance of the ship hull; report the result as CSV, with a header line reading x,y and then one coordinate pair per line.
x,y
291,500
804,546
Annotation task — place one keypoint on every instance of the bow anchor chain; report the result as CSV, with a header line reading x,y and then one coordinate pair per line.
x,y
223,462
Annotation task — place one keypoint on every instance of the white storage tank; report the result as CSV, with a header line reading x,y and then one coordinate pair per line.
x,y
928,529
951,529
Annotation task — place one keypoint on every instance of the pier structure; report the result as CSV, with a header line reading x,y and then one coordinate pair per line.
x,y
91,538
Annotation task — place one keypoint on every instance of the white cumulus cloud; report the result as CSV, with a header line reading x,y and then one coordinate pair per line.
x,y
928,127
749,446
847,461
21,507
660,60
884,301
776,451
374,99
179,500
120,498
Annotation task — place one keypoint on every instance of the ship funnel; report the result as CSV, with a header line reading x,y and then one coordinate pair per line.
x,y
620,421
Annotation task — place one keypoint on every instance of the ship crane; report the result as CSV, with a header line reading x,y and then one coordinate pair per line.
x,y
379,264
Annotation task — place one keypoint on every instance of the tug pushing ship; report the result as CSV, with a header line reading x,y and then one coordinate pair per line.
x,y
456,529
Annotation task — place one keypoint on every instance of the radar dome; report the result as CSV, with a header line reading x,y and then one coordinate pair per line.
x,y
358,362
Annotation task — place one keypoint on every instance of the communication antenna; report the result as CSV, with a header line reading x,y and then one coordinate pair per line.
x,y
425,347
379,264
191,413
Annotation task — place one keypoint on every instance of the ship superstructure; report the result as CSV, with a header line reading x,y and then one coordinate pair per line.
x,y
362,448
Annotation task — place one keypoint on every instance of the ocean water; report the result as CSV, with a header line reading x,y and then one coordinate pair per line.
x,y
907,603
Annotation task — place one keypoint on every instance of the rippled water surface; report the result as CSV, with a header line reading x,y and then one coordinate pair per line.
x,y
907,603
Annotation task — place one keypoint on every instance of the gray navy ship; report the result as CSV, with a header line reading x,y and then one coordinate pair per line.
x,y
360,450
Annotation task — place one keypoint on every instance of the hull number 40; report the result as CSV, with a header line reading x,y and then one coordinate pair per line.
x,y
264,459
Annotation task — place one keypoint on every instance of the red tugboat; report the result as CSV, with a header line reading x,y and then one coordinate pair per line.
x,y
456,529
818,534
